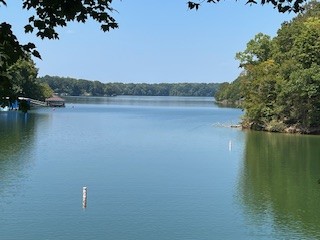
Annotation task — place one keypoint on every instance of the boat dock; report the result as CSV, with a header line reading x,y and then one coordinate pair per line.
x,y
26,103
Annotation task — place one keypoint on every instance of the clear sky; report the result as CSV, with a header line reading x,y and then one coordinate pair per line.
x,y
158,41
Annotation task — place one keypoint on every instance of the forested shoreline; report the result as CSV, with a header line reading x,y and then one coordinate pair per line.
x,y
279,88
66,86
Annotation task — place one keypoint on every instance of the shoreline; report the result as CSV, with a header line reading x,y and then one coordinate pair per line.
x,y
279,127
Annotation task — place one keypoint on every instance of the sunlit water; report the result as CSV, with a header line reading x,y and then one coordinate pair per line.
x,y
155,168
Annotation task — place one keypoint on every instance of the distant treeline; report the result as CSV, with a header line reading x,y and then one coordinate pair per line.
x,y
80,87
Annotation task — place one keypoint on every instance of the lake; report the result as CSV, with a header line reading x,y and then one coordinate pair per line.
x,y
164,168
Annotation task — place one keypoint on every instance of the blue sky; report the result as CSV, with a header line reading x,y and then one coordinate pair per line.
x,y
158,41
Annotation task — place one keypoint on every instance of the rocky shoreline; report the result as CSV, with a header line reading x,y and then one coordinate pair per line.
x,y
280,128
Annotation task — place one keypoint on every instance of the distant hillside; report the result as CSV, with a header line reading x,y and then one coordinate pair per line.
x,y
81,87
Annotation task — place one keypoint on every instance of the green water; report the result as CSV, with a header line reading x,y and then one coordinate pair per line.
x,y
155,168
279,184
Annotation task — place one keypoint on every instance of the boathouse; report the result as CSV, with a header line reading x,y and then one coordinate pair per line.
x,y
55,101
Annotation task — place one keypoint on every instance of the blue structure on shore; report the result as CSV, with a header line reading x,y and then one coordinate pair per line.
x,y
20,103
14,105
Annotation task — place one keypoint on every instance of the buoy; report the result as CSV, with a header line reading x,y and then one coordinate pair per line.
x,y
230,145
84,197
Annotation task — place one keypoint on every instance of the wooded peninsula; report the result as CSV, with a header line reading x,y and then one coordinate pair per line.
x,y
279,88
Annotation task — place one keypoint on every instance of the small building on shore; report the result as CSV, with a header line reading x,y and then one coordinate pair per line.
x,y
55,101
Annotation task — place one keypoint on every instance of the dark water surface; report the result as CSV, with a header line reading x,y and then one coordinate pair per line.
x,y
155,168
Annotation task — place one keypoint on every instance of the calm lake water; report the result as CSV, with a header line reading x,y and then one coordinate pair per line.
x,y
155,168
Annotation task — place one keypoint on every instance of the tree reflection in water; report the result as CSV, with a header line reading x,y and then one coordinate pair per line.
x,y
17,132
279,182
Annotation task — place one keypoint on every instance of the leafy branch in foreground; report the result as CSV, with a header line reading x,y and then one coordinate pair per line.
x,y
48,15
281,5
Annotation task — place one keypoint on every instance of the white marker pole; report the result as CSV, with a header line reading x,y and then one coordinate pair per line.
x,y
230,145
84,197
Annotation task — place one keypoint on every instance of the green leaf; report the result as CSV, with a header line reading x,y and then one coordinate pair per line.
x,y
28,28
192,5
36,54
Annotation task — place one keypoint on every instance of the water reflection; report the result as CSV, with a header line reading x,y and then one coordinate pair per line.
x,y
17,132
279,183
146,101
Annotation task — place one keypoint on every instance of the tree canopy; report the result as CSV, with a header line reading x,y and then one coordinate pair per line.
x,y
281,5
24,82
280,85
45,18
